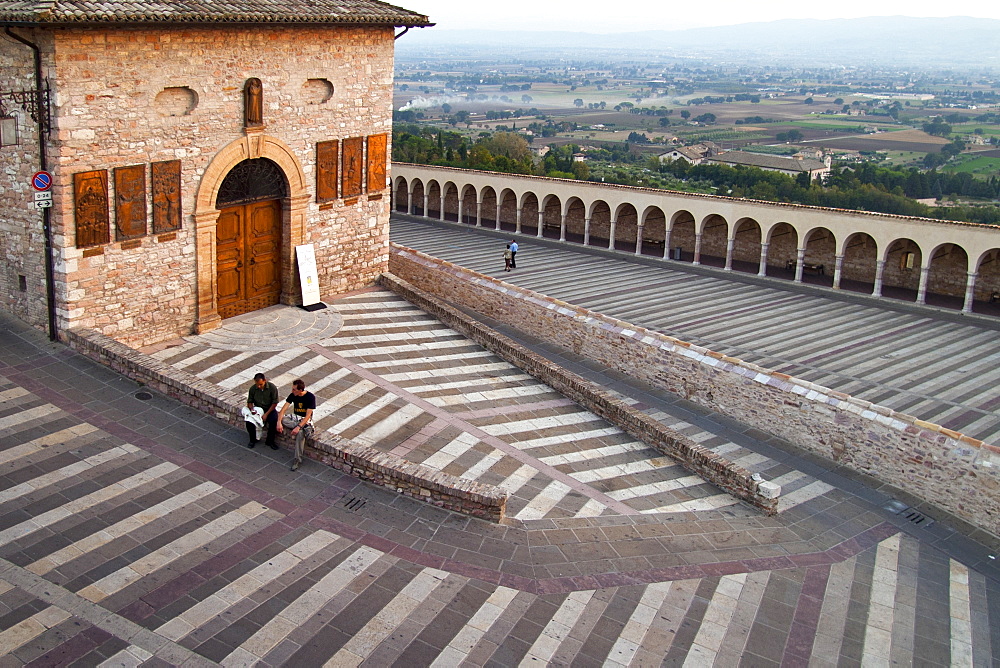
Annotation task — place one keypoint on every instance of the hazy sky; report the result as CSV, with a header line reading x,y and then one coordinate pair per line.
x,y
627,15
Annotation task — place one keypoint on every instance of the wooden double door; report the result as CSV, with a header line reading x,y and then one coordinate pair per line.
x,y
248,257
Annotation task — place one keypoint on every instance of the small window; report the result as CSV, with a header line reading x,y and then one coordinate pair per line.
x,y
8,130
906,260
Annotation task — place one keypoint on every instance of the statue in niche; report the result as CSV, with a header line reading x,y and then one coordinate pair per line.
x,y
253,103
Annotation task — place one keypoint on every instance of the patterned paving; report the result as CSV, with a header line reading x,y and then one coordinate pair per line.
x,y
397,379
119,550
909,360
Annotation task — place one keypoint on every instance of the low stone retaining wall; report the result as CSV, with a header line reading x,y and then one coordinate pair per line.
x,y
413,480
932,464
714,468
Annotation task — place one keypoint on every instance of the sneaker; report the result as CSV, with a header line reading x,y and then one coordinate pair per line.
x,y
295,466
251,444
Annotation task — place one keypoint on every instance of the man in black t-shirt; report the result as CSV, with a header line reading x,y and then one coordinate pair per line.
x,y
299,419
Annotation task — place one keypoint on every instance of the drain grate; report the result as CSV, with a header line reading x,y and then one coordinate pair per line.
x,y
143,396
911,515
354,504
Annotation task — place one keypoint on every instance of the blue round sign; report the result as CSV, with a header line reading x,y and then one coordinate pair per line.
x,y
41,181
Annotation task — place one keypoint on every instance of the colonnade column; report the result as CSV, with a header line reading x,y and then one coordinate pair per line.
x,y
925,272
460,212
879,268
837,269
427,201
586,231
441,212
638,240
541,222
496,223
697,249
762,270
409,202
666,243
730,243
562,227
800,258
479,213
970,291
611,237
517,221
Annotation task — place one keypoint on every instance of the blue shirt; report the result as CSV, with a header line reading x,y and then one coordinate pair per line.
x,y
513,247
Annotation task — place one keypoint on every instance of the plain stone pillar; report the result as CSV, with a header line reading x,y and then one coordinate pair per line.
x,y
800,258
730,243
970,291
409,202
441,212
762,270
427,202
666,244
517,221
497,221
479,213
541,223
838,268
562,227
461,211
925,273
586,231
638,240
697,249
879,268
611,237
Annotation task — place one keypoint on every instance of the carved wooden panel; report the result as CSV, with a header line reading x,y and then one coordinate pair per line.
x,y
353,167
90,199
166,196
130,202
376,162
327,171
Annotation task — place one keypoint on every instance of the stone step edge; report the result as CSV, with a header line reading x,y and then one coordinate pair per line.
x,y
701,461
369,464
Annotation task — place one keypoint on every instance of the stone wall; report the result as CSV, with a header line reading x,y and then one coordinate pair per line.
x,y
22,240
381,468
933,464
134,96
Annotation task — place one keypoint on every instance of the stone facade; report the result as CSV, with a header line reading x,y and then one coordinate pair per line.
x,y
923,461
128,95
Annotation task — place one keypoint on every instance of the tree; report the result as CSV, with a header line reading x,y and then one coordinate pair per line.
x,y
578,102
446,108
808,100
685,114
526,99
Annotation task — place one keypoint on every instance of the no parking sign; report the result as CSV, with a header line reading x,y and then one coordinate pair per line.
x,y
41,181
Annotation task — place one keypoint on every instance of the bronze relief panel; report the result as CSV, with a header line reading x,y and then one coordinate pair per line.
x,y
327,174
130,202
90,202
166,196
353,180
376,162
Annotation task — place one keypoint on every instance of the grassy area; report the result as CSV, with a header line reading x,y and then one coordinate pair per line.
x,y
845,125
981,167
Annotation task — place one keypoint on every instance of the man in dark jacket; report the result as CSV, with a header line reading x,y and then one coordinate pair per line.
x,y
263,395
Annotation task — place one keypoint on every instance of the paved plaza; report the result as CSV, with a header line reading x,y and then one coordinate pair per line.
x,y
933,363
136,531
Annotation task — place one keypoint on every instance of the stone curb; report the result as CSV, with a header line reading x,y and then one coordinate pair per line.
x,y
381,468
712,467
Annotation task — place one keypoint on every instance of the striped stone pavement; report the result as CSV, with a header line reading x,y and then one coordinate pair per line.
x,y
395,378
124,541
939,367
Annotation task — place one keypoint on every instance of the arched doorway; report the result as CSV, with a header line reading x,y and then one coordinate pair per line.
x,y
248,237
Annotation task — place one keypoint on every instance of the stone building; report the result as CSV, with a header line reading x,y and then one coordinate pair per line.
x,y
192,147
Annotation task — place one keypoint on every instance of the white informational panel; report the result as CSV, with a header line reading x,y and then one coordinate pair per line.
x,y
306,257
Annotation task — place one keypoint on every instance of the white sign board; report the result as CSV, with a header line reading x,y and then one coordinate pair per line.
x,y
306,257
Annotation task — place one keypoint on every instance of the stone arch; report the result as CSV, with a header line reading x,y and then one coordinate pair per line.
x,y
206,216
450,211
948,270
576,214
903,259
714,240
489,207
988,280
417,194
468,204
434,200
654,230
783,249
401,195
529,213
820,257
746,237
682,228
508,210
626,227
858,268
551,216
600,224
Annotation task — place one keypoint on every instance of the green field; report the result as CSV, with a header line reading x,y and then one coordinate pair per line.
x,y
845,125
982,166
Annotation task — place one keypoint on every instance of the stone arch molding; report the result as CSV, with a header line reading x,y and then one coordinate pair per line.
x,y
206,216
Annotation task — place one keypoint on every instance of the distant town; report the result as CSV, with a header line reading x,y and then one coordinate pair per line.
x,y
919,140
